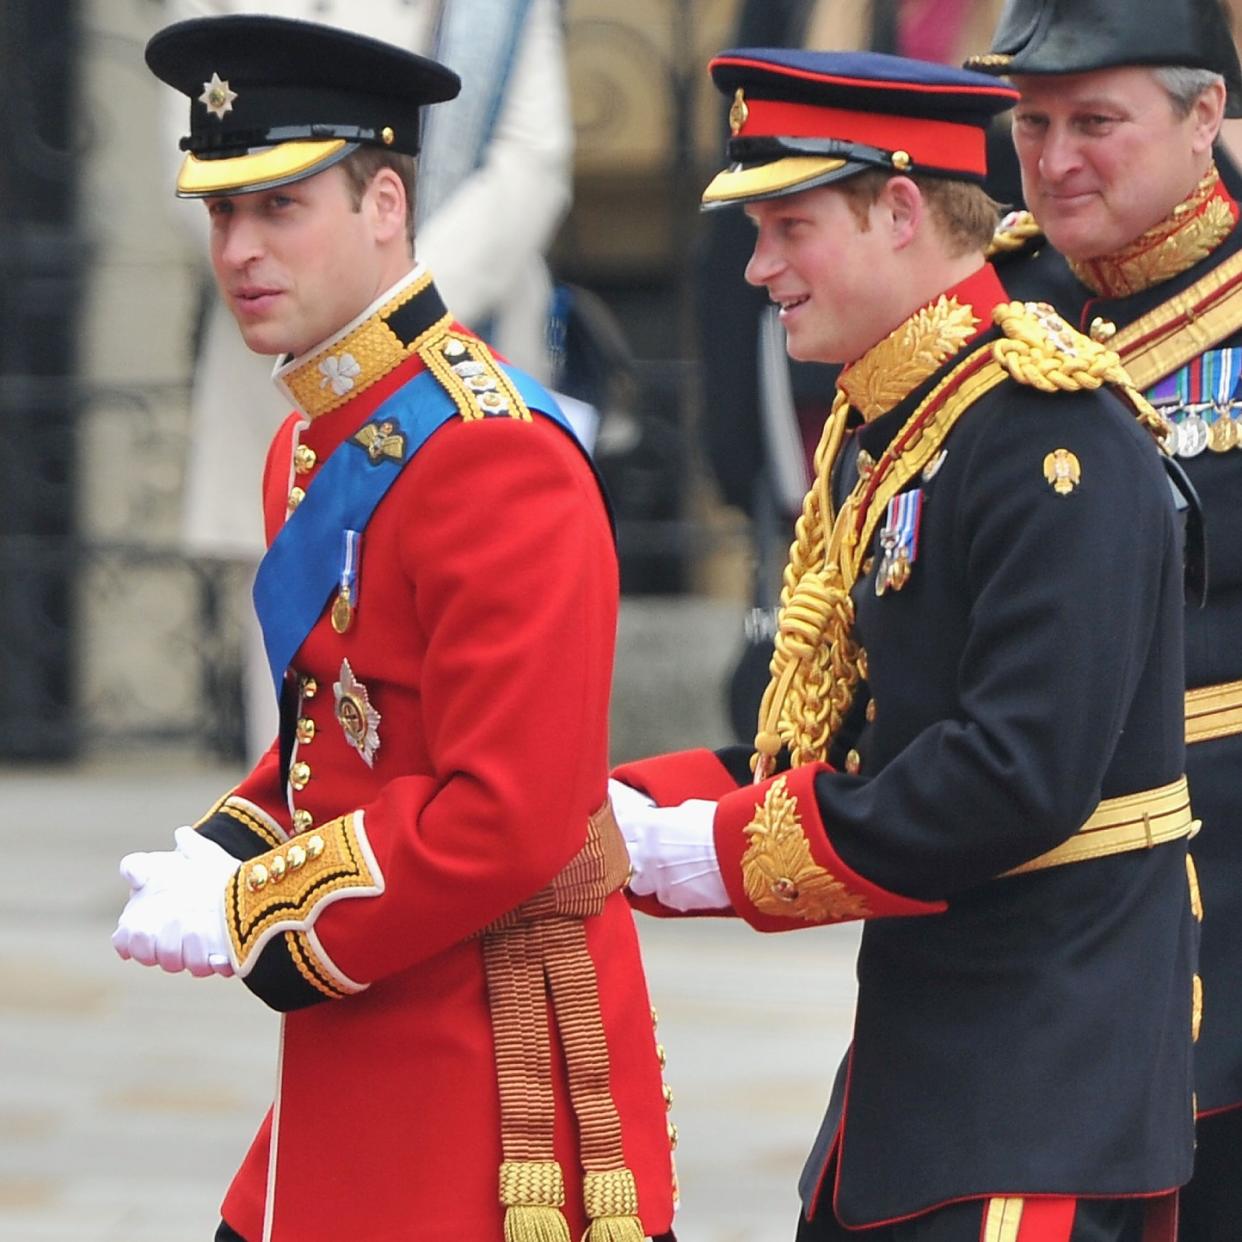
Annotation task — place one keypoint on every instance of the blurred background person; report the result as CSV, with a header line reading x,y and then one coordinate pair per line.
x,y
506,140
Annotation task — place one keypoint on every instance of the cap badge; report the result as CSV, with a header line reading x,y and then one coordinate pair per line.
x,y
356,716
217,98
1062,470
738,111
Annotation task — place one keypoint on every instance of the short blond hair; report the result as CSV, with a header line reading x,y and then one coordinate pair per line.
x,y
964,213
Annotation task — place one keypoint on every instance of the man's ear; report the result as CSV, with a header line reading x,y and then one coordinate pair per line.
x,y
901,205
1207,113
386,194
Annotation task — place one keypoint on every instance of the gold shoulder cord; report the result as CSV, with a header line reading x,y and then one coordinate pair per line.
x,y
1013,233
816,663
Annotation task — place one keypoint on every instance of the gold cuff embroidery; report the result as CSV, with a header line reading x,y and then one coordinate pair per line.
x,y
781,877
250,817
285,889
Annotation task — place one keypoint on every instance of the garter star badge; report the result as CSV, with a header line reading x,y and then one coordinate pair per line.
x,y
217,98
1062,470
356,716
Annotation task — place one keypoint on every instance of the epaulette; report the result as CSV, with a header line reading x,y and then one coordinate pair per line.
x,y
470,374
1016,234
1041,350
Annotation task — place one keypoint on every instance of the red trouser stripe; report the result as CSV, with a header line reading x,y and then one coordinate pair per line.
x,y
1047,1220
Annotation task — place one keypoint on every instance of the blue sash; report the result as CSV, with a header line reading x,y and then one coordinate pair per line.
x,y
302,566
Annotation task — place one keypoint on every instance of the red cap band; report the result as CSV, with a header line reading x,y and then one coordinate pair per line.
x,y
930,144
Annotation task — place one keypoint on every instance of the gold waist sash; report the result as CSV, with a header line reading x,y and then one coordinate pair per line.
x,y
1136,821
540,973
1213,711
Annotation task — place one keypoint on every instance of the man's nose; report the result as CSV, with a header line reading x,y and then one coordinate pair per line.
x,y
764,261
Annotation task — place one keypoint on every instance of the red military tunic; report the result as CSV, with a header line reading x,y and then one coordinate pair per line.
x,y
482,643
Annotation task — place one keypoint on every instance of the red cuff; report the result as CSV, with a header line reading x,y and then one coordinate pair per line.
x,y
671,779
779,864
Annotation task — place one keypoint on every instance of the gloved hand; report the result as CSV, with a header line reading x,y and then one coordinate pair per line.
x,y
175,914
672,850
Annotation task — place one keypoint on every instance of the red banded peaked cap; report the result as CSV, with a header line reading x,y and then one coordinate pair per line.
x,y
801,118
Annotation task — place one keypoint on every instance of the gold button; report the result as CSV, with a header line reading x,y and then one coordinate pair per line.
x,y
901,160
296,496
668,1095
1102,330
870,709
661,1055
655,1017
297,857
306,731
299,775
387,136
314,846
257,877
304,458
853,763
672,1135
276,868
302,820
310,687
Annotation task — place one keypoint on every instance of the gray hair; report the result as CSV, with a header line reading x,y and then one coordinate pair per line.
x,y
1184,85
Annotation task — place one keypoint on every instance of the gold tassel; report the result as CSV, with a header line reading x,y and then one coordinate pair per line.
x,y
611,1201
535,1223
615,1229
533,1192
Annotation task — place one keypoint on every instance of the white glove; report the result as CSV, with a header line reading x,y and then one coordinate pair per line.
x,y
174,918
672,850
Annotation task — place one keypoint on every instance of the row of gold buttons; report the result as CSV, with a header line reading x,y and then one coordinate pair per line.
x,y
275,869
300,773
304,459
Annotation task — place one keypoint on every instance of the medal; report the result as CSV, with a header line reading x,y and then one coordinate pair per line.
x,y
354,713
899,541
347,595
1222,432
1192,434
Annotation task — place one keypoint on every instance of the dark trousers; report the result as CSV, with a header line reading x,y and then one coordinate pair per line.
x,y
1211,1203
1093,1220
227,1234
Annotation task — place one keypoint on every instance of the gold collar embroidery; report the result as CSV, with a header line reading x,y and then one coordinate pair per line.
x,y
888,372
326,377
1194,228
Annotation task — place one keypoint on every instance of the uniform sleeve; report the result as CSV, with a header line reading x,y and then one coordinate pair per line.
x,y
1062,591
515,587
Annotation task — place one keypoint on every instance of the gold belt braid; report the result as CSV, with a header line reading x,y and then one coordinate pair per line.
x,y
536,950
1213,711
1137,821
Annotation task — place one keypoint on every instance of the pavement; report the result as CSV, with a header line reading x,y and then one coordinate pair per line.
x,y
128,1096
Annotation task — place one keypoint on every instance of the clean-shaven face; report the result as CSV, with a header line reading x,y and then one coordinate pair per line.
x,y
295,264
824,271
1105,156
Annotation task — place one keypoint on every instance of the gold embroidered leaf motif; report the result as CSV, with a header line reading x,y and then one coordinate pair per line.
x,y
888,372
781,877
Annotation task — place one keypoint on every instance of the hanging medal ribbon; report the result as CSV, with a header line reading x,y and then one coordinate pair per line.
x,y
899,541
347,592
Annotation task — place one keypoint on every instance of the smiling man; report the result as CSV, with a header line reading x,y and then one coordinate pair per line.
x,y
1121,104
422,874
972,735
